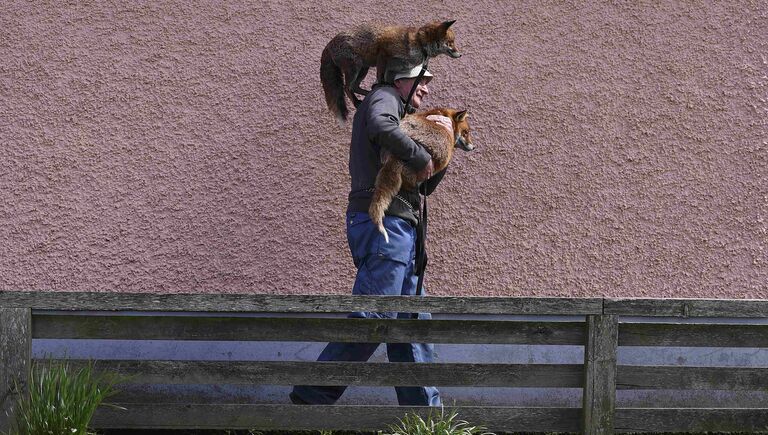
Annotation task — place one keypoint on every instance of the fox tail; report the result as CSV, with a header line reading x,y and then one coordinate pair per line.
x,y
376,212
333,85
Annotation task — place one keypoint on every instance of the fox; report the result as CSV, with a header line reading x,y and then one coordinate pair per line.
x,y
346,59
438,142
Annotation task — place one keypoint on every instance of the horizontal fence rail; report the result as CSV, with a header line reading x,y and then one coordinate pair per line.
x,y
297,303
601,326
343,373
316,417
691,378
106,301
697,420
687,307
693,335
307,329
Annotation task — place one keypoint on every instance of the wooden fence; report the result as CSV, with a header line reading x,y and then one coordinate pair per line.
x,y
25,316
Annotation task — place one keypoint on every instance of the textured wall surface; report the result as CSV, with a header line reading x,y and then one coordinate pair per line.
x,y
176,147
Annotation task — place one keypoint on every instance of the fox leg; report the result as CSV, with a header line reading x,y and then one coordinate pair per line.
x,y
355,74
388,182
386,64
355,84
381,69
355,88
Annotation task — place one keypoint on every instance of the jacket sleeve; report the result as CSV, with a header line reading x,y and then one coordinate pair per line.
x,y
384,129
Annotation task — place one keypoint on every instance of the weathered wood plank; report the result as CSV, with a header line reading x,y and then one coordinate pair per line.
x,y
15,353
341,373
314,417
297,303
600,373
693,335
687,307
346,303
306,329
699,420
691,378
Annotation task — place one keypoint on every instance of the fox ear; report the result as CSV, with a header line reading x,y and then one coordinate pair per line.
x,y
447,24
460,116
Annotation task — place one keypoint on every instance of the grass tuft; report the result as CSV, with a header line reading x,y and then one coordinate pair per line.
x,y
436,424
61,401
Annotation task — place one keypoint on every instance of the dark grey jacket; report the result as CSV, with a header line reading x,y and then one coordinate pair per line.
x,y
376,126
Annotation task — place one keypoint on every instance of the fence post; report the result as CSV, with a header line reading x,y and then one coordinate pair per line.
x,y
15,354
599,400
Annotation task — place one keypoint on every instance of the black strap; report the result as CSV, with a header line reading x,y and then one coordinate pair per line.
x,y
421,245
421,226
421,241
408,107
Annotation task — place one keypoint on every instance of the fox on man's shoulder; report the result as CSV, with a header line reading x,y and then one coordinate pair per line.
x,y
348,56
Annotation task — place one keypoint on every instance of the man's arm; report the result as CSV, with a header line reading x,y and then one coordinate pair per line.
x,y
384,129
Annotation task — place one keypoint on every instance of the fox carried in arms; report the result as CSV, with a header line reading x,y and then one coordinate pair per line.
x,y
348,56
439,144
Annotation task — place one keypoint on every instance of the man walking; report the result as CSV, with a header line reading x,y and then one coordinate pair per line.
x,y
384,268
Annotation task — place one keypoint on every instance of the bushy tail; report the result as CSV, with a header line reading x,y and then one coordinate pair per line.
x,y
333,85
376,210
388,182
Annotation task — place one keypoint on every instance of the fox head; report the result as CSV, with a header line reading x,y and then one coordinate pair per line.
x,y
461,136
438,38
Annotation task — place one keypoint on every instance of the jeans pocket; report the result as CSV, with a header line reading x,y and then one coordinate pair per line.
x,y
365,239
359,236
402,240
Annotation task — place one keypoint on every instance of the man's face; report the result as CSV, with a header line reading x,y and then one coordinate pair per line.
x,y
404,86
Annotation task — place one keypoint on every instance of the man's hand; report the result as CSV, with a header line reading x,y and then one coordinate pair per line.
x,y
426,173
442,121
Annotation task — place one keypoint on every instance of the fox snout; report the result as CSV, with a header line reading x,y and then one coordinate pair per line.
x,y
464,144
454,54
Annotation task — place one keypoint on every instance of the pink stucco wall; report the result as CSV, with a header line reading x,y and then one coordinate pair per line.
x,y
176,147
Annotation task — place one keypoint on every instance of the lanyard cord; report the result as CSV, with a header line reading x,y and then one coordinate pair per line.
x,y
421,241
408,107
421,227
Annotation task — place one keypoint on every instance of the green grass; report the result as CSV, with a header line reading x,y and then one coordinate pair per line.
x,y
61,400
436,424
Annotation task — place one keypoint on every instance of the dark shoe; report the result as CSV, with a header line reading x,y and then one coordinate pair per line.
x,y
296,400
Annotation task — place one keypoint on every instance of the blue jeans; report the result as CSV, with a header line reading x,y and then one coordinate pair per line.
x,y
382,269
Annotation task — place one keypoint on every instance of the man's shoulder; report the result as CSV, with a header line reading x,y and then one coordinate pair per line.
x,y
386,96
381,92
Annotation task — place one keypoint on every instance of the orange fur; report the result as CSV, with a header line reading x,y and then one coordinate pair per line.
x,y
440,144
348,56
